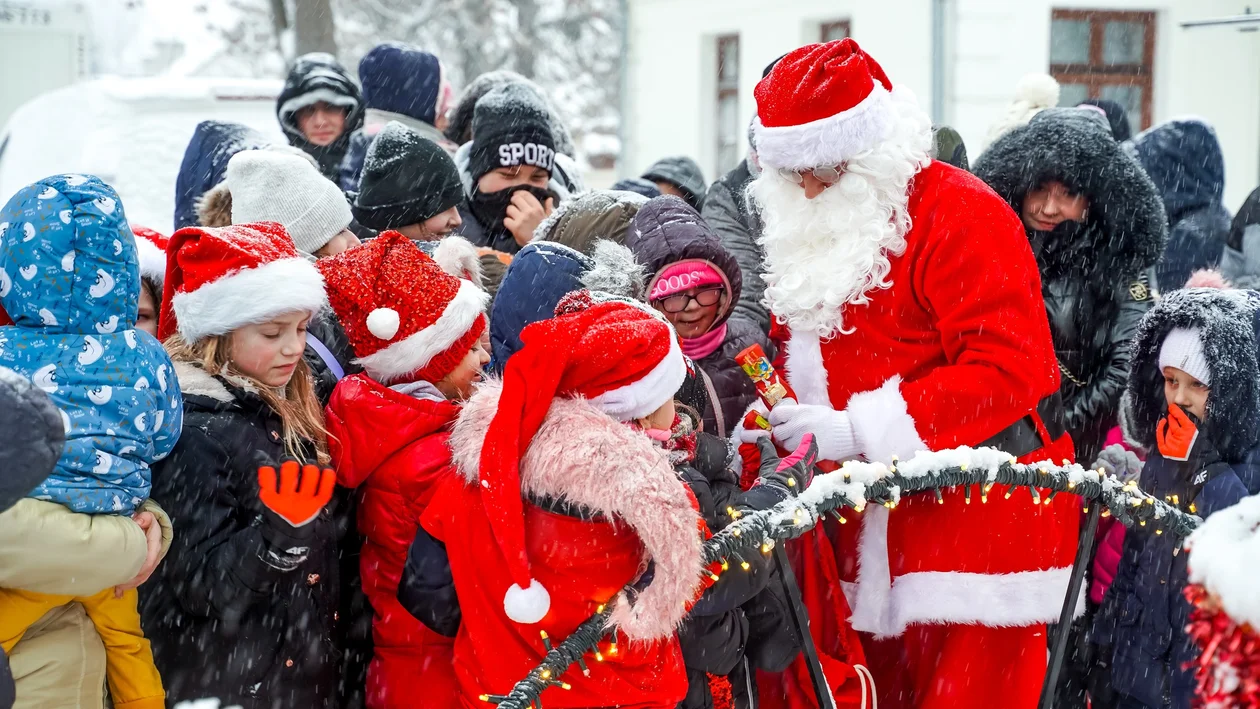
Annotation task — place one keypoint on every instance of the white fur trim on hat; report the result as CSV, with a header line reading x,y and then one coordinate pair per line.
x,y
458,257
1183,349
647,394
248,297
828,141
418,349
527,605
152,261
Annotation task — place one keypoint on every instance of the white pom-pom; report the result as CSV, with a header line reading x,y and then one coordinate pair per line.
x,y
383,322
527,605
1038,90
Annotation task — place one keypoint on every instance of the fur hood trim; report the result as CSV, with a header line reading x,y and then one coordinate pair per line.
x,y
583,457
1227,321
214,208
1071,146
195,381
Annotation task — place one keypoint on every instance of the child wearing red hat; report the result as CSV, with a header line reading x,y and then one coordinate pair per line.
x,y
151,248
563,498
417,333
246,607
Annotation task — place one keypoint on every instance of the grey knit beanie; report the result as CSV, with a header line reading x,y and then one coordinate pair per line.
x,y
269,186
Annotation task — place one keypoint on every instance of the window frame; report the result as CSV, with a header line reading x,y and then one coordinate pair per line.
x,y
825,29
727,88
1096,74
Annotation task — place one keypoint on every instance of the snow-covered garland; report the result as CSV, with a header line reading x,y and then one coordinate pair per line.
x,y
857,484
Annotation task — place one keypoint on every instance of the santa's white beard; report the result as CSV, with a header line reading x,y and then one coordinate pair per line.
x,y
829,252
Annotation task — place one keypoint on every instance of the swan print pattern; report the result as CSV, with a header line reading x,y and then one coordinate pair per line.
x,y
70,280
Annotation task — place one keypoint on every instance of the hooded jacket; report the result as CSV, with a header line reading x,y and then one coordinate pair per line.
x,y
599,215
70,280
666,231
320,77
1144,612
602,470
739,227
1241,261
683,173
271,631
543,273
1184,160
396,470
1092,273
205,161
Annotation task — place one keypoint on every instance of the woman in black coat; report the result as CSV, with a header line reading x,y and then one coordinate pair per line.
x,y
1097,226
679,250
319,83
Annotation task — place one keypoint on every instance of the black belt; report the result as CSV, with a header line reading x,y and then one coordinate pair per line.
x,y
1021,438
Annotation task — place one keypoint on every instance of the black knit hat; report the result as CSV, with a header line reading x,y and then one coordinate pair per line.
x,y
406,179
510,128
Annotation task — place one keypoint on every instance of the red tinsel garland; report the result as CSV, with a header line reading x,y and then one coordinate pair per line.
x,y
1228,668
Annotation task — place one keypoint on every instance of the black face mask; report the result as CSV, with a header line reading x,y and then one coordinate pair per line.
x,y
490,208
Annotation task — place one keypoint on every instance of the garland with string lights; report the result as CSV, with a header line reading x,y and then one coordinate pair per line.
x,y
856,484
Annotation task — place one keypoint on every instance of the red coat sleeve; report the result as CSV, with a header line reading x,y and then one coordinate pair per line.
x,y
977,275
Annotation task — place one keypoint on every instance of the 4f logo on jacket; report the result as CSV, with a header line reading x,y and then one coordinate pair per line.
x,y
513,154
1200,478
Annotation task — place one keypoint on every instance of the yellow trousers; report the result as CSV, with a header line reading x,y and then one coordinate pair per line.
x,y
134,682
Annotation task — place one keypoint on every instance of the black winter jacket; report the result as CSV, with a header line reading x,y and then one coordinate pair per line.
x,y
1142,618
1184,160
33,436
228,614
1092,273
320,77
1241,261
727,212
212,145
666,231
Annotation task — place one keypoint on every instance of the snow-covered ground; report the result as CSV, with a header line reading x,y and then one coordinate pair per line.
x,y
129,132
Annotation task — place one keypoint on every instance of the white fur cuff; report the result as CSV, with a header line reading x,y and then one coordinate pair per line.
x,y
883,426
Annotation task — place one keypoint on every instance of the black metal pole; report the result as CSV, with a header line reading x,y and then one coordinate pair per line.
x,y
800,619
1058,648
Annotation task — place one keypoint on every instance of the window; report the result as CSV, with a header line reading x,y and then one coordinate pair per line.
x,y
1101,54
831,31
729,131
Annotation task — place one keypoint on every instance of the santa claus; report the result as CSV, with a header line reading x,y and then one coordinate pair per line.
x,y
909,304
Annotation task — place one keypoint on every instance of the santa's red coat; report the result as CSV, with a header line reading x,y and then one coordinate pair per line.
x,y
955,351
392,447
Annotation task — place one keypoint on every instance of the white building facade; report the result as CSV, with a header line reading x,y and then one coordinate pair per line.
x,y
692,65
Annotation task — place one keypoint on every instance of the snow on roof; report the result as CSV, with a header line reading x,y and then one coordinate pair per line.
x,y
129,132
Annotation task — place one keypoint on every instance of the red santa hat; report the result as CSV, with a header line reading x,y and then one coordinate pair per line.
x,y
151,249
404,315
621,358
821,105
220,279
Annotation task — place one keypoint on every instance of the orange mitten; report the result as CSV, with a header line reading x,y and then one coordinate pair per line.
x,y
302,493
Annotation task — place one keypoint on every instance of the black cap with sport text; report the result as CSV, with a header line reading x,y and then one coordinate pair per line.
x,y
510,129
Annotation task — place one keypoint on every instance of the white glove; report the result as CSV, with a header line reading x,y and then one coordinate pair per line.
x,y
1117,460
750,435
832,429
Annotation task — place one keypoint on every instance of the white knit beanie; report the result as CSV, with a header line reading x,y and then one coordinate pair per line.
x,y
1183,349
271,186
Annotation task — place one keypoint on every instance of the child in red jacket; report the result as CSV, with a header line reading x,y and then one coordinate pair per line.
x,y
417,334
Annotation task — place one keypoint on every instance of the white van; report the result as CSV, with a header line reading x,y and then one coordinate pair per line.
x,y
129,132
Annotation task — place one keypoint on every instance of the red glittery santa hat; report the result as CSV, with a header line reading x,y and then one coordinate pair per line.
x,y
151,248
821,105
404,315
624,360
220,279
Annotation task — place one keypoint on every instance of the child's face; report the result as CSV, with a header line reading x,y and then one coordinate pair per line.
x,y
662,419
1186,391
270,351
693,318
458,385
147,319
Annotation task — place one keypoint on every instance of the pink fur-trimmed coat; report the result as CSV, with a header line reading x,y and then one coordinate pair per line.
x,y
637,511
